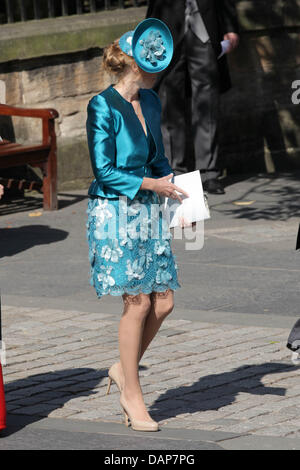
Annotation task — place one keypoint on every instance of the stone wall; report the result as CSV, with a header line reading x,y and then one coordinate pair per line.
x,y
65,83
259,126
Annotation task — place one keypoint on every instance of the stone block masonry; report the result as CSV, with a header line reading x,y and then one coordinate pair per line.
x,y
57,63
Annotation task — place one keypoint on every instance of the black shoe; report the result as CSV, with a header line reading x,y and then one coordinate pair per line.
x,y
213,186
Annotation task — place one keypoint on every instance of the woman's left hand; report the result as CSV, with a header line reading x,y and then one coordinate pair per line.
x,y
1,190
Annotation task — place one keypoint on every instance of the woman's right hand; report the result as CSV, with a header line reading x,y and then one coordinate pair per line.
x,y
164,187
1,190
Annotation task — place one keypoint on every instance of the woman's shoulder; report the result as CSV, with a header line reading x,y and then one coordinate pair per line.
x,y
102,97
101,101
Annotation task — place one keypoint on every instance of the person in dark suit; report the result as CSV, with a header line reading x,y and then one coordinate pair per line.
x,y
191,86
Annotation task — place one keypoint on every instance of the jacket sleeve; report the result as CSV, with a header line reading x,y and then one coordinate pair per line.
x,y
102,148
161,166
228,16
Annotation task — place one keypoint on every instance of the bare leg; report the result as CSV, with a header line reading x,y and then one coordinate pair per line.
x,y
136,309
162,304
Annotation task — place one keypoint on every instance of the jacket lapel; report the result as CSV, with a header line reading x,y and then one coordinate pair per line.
x,y
148,113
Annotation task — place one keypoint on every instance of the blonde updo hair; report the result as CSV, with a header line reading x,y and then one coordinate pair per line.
x,y
115,61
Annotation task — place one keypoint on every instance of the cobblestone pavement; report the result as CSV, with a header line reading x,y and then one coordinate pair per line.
x,y
218,374
195,375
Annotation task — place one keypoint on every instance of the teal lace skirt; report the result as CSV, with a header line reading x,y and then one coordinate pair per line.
x,y
129,246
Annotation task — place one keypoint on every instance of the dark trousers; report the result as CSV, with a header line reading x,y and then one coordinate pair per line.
x,y
190,102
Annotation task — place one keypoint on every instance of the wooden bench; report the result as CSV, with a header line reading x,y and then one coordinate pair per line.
x,y
41,155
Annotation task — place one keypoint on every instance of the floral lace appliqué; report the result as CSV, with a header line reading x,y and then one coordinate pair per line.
x,y
135,270
105,277
132,261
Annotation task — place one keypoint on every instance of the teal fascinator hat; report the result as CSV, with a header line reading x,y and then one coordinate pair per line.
x,y
150,44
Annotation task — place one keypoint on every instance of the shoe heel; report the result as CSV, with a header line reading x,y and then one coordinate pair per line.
x,y
109,385
113,376
126,419
138,425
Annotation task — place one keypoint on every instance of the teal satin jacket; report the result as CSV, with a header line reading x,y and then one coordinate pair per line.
x,y
118,145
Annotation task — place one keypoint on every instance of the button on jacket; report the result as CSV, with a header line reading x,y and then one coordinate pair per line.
x,y
118,145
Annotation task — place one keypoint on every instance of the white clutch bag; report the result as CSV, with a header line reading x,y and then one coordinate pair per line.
x,y
193,208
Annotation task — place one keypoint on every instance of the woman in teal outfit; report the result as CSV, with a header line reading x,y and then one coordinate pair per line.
x,y
128,233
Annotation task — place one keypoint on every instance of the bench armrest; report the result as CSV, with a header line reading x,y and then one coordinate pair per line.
x,y
47,116
28,112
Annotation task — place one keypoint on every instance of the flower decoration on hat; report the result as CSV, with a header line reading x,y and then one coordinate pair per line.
x,y
153,47
150,44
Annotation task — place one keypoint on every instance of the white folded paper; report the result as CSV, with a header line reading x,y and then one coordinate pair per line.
x,y
225,47
193,208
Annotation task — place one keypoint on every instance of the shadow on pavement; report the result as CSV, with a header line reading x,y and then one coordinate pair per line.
x,y
16,240
31,203
274,196
218,390
38,395
35,397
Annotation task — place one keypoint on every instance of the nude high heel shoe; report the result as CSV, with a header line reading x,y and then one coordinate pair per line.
x,y
113,376
136,424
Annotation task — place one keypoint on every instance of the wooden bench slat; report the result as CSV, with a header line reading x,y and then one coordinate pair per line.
x,y
21,184
20,159
44,113
41,155
8,146
11,149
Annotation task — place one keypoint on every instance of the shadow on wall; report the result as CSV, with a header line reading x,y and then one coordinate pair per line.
x,y
260,124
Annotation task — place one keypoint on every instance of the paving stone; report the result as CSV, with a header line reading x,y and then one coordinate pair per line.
x,y
201,385
36,410
62,413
